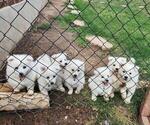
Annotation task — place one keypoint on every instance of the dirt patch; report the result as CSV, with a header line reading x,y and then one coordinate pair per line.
x,y
61,112
56,116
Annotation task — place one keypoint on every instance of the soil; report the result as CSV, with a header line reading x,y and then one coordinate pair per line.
x,y
51,41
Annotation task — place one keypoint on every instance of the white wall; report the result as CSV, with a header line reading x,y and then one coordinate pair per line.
x,y
15,20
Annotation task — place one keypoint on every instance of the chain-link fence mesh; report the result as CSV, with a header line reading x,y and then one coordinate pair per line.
x,y
62,55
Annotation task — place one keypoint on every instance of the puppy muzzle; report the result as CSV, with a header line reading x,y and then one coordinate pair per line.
x,y
21,76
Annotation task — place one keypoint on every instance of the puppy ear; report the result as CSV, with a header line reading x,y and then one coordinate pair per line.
x,y
42,68
96,72
54,56
110,58
10,59
123,60
29,58
132,60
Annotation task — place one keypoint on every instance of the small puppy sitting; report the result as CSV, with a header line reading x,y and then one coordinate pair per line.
x,y
114,64
48,74
129,76
19,72
74,76
101,83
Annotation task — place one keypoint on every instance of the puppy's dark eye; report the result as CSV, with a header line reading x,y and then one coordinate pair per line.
x,y
102,76
73,70
124,71
24,67
47,77
114,65
60,61
130,73
54,76
78,70
16,68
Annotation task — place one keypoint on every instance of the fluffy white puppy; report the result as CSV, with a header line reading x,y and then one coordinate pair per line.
x,y
19,72
74,76
48,74
101,83
129,76
114,64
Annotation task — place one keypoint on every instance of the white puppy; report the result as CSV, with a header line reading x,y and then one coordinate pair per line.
x,y
74,76
48,74
114,64
129,76
101,83
19,72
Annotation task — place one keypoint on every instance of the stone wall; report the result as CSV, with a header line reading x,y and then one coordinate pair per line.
x,y
15,20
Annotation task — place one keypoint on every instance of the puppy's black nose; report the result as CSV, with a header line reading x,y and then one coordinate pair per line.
x,y
66,64
75,76
117,69
126,77
107,80
21,74
52,83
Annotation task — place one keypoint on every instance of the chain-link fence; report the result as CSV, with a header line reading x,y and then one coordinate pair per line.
x,y
75,62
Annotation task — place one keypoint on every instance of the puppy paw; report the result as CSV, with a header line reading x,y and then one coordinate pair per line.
x,y
77,92
127,101
16,91
62,89
94,98
106,99
70,92
112,95
30,92
123,96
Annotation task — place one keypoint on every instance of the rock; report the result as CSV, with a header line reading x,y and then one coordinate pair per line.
x,y
22,101
141,7
79,23
99,41
143,84
75,12
4,87
124,6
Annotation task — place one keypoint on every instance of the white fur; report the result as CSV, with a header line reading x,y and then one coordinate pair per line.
x,y
61,58
129,75
74,76
48,74
21,64
101,83
114,64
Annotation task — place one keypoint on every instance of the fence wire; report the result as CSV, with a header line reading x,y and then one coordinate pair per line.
x,y
49,61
